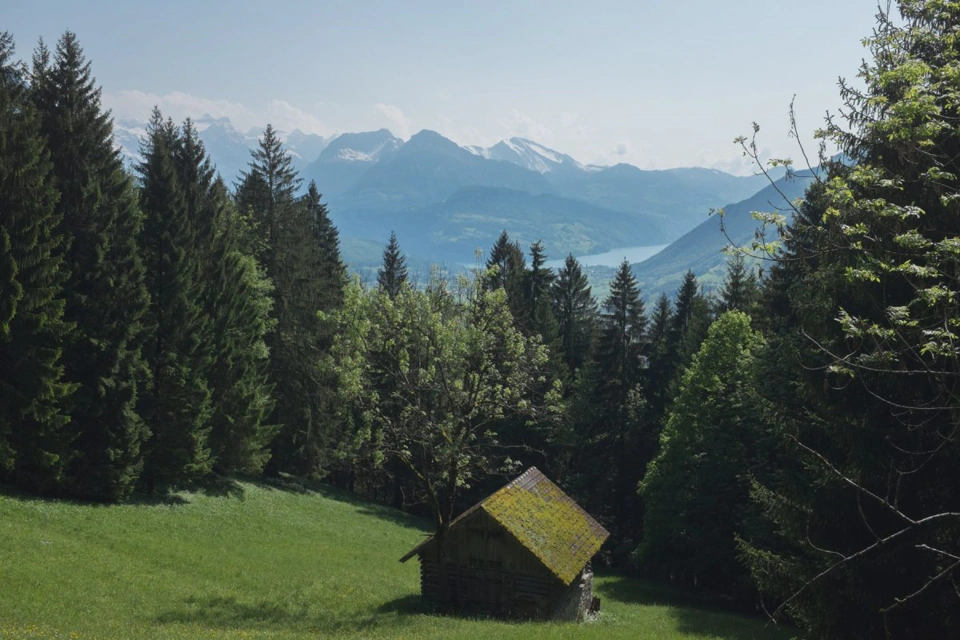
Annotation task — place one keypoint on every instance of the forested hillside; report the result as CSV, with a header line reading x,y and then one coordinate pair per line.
x,y
788,443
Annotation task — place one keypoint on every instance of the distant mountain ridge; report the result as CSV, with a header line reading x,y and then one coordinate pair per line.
x,y
701,249
444,200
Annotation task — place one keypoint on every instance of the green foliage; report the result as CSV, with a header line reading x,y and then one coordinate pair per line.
x,y
106,299
862,515
393,273
34,444
299,250
576,312
611,454
240,306
697,489
506,269
427,377
740,290
178,401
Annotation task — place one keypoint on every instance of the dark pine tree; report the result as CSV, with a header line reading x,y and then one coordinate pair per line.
x,y
659,371
239,305
34,444
296,262
610,433
576,312
510,265
740,290
106,298
329,267
393,272
178,402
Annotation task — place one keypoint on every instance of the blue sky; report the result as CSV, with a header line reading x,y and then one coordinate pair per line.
x,y
654,83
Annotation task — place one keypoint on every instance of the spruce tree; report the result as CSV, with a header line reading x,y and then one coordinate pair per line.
x,y
299,251
329,268
239,304
659,371
740,290
392,274
34,443
509,267
575,310
106,298
609,408
177,404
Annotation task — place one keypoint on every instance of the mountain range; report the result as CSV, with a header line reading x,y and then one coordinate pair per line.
x,y
445,201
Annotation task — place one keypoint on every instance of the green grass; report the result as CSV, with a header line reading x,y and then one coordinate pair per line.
x,y
266,562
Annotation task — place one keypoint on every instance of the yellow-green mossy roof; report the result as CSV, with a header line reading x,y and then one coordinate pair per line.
x,y
548,523
545,520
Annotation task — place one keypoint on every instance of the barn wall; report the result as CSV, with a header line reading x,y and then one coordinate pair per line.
x,y
486,570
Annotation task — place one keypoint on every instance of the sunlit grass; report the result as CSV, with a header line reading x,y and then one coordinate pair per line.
x,y
264,562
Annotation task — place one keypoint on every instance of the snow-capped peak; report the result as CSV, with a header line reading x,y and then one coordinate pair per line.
x,y
530,155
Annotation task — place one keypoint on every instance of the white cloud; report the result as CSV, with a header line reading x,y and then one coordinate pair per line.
x,y
179,105
398,123
519,124
286,117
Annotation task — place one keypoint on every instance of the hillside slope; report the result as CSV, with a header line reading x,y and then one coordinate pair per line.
x,y
266,562
701,249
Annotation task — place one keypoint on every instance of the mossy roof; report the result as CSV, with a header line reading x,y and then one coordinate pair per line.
x,y
545,520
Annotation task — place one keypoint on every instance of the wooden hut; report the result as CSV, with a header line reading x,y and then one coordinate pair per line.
x,y
524,552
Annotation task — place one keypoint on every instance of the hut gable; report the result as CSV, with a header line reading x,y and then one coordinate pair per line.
x,y
544,520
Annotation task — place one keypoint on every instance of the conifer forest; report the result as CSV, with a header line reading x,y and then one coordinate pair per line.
x,y
787,443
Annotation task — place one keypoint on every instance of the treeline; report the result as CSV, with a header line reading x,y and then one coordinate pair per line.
x,y
155,329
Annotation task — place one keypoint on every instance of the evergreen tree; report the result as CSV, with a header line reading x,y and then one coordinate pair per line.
x,y
740,290
575,310
660,370
240,307
864,514
612,443
697,490
509,267
392,275
34,443
328,264
178,402
106,298
538,280
688,329
300,253
687,295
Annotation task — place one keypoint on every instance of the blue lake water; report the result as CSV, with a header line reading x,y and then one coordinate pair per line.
x,y
614,257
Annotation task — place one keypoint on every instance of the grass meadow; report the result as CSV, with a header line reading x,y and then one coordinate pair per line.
x,y
258,561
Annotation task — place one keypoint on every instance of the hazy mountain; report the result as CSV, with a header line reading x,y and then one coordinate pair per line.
x,y
701,249
430,168
304,147
530,155
473,216
347,157
444,200
680,198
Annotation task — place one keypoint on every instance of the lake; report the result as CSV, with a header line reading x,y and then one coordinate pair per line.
x,y
614,257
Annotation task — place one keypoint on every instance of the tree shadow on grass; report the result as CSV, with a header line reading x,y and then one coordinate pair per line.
x,y
150,500
695,614
298,616
364,506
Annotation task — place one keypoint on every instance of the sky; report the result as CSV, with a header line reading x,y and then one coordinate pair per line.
x,y
653,83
